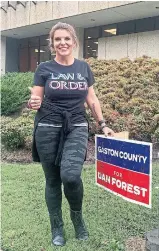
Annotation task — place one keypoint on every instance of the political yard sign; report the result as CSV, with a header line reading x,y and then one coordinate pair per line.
x,y
124,167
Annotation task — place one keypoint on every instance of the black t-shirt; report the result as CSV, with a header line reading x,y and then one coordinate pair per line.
x,y
65,86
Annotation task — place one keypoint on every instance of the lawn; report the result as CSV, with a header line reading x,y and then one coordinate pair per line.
x,y
110,219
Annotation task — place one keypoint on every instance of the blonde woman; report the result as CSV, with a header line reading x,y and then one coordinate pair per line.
x,y
61,87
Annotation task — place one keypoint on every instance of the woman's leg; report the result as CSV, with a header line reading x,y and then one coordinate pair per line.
x,y
71,167
53,192
47,139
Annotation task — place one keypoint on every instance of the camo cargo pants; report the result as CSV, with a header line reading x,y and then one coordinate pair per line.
x,y
69,171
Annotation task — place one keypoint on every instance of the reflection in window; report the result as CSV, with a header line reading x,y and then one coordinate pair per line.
x,y
109,30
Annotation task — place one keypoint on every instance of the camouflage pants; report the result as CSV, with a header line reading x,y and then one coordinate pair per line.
x,y
69,171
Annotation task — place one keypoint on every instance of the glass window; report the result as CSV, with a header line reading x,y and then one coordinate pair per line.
x,y
23,59
109,30
126,28
44,40
91,48
23,43
31,53
92,33
157,23
34,54
146,24
91,42
45,54
33,58
34,41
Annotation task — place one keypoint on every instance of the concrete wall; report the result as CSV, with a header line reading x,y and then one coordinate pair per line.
x,y
12,56
50,10
130,45
3,55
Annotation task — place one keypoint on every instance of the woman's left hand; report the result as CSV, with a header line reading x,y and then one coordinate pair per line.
x,y
108,132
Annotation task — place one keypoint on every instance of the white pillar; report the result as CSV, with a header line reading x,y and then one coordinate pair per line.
x,y
3,55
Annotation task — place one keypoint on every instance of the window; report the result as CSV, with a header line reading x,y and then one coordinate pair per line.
x,y
23,59
44,40
33,58
33,41
45,54
126,28
23,43
109,30
91,36
157,23
146,24
32,51
91,48
92,33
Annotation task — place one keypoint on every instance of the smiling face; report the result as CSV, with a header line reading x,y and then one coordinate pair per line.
x,y
63,42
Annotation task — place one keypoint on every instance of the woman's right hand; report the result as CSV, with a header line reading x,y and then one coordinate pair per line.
x,y
34,101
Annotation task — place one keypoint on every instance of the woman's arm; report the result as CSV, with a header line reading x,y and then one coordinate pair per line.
x,y
94,105
37,94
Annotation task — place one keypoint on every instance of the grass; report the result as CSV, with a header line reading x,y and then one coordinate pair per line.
x,y
110,219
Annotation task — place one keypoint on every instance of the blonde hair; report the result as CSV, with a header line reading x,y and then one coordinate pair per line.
x,y
62,26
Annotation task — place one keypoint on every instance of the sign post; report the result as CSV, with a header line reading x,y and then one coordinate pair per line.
x,y
124,167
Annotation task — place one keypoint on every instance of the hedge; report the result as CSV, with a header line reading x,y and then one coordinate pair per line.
x,y
129,95
14,89
17,133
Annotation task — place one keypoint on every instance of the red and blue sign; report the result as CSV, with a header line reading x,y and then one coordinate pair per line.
x,y
124,167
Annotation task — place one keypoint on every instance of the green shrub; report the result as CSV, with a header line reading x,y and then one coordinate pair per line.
x,y
129,95
12,136
15,93
5,121
17,133
155,135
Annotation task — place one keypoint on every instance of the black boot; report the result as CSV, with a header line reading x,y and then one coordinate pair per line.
x,y
57,229
81,232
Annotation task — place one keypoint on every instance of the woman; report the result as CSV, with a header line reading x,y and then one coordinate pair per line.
x,y
61,87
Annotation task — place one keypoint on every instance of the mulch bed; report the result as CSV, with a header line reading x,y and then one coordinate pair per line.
x,y
23,156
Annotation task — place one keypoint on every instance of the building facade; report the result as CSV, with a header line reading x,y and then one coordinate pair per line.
x,y
106,30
